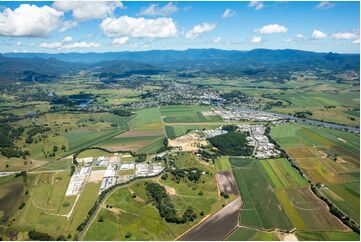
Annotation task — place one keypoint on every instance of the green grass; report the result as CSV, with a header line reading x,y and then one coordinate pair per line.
x,y
248,234
93,153
153,147
80,139
281,174
62,164
222,164
327,236
261,206
186,114
145,116
346,197
179,130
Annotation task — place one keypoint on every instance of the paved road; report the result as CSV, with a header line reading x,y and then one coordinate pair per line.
x,y
218,226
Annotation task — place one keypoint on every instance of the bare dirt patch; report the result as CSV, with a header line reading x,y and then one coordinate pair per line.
x,y
170,191
217,226
226,182
96,176
188,142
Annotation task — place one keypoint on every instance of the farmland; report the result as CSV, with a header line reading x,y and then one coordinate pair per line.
x,y
186,114
247,234
329,157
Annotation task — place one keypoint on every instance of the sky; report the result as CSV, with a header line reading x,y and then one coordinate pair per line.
x,y
54,27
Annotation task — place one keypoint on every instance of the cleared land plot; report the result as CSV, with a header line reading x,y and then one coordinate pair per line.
x,y
261,206
218,226
346,197
282,174
327,236
248,234
226,182
306,211
222,164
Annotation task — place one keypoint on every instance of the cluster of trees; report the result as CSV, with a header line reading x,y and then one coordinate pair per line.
x,y
14,152
230,127
122,112
40,236
232,143
235,96
34,131
193,174
163,203
303,114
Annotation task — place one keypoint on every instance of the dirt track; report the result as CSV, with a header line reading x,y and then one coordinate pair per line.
x,y
218,226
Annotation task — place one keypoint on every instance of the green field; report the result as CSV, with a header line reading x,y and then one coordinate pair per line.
x,y
327,236
281,174
222,164
261,206
63,164
346,197
186,114
248,234
175,131
145,116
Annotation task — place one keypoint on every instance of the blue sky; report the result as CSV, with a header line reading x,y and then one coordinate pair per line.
x,y
120,26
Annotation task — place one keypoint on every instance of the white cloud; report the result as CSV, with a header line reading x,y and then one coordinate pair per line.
x,y
256,5
68,46
228,13
139,27
317,34
120,41
356,41
29,20
67,25
325,5
18,43
344,35
217,40
83,11
256,40
199,29
272,28
154,10
67,39
301,36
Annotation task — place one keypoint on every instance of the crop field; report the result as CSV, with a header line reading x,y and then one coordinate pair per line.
x,y
346,197
327,236
261,207
281,174
306,211
248,234
186,114
128,143
327,156
145,116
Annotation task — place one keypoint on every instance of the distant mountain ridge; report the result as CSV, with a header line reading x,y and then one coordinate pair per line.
x,y
257,63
